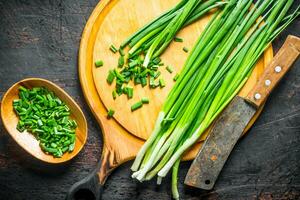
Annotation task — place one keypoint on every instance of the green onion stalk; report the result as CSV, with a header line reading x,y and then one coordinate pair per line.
x,y
199,75
217,68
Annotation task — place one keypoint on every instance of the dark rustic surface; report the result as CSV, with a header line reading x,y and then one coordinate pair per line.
x,y
40,38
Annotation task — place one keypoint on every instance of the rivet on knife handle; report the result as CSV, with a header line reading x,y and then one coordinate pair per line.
x,y
280,64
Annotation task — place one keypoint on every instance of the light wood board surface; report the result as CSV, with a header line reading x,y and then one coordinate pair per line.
x,y
110,23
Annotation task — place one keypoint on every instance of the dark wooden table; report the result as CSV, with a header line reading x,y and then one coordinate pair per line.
x,y
40,38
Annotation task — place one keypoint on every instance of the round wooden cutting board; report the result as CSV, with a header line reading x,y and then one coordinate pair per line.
x,y
111,22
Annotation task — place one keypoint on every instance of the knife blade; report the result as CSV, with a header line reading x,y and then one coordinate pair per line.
x,y
230,125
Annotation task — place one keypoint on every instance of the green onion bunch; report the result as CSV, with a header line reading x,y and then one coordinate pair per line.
x,y
217,67
48,118
141,63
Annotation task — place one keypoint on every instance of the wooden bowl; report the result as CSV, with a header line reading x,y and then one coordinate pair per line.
x,y
25,139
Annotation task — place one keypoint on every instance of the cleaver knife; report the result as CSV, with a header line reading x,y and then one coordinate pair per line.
x,y
229,126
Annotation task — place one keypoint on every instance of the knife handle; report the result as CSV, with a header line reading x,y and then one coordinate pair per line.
x,y
278,67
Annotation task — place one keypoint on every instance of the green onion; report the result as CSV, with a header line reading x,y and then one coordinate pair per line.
x,y
185,49
110,113
144,73
113,48
152,83
121,51
176,77
143,81
129,92
114,94
137,80
156,75
177,39
119,76
162,83
169,69
99,63
145,100
121,61
111,76
136,106
22,89
175,193
156,60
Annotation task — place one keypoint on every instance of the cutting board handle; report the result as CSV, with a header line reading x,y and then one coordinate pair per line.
x,y
91,187
88,188
274,72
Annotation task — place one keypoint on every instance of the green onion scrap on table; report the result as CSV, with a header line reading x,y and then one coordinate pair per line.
x,y
48,118
217,67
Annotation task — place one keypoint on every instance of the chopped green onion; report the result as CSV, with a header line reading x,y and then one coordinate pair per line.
x,y
177,39
169,69
114,94
133,63
156,60
136,106
185,49
129,92
162,83
121,61
99,63
110,113
111,76
137,80
45,116
113,48
145,100
176,77
151,73
143,81
23,89
121,51
157,75
119,76
144,73
152,83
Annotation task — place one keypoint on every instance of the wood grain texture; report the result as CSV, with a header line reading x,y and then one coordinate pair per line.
x,y
40,39
26,139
